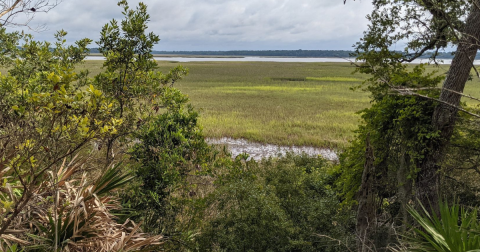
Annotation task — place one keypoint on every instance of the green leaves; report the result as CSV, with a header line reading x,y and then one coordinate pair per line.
x,y
128,46
399,122
274,205
9,43
46,101
455,230
111,180
403,30
131,81
170,147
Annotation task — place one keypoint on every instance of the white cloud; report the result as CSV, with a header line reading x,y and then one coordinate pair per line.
x,y
223,24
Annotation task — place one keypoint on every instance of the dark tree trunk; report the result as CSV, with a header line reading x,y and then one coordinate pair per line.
x,y
366,219
404,185
444,117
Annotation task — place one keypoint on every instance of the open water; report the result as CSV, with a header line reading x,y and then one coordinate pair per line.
x,y
269,59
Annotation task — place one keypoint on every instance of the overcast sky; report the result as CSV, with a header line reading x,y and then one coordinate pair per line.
x,y
185,25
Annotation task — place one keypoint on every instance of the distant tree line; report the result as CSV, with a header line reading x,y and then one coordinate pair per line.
x,y
269,53
279,53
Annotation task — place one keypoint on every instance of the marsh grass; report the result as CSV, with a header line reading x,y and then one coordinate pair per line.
x,y
342,79
281,103
290,79
277,102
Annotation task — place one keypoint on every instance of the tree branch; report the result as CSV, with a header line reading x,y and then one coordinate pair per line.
x,y
3,13
438,100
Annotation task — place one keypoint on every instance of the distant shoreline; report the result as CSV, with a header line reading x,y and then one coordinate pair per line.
x,y
222,56
194,56
269,54
213,58
226,58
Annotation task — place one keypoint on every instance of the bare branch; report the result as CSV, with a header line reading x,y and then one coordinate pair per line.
x,y
11,9
439,88
438,100
409,91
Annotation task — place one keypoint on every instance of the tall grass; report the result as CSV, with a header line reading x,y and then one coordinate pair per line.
x,y
279,103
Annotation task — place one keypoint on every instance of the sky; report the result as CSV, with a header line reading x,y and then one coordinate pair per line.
x,y
220,25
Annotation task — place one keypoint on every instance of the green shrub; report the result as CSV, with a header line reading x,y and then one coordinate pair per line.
x,y
282,204
246,213
169,148
302,185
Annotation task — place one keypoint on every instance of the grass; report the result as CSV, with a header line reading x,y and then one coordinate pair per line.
x,y
278,103
270,102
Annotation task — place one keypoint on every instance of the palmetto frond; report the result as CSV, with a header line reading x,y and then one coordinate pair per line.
x,y
72,212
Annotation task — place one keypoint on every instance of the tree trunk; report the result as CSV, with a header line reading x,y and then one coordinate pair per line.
x,y
404,185
444,117
366,202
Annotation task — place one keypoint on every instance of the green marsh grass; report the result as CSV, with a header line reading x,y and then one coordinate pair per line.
x,y
279,103
342,79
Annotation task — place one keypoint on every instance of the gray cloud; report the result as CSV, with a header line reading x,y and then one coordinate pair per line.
x,y
223,24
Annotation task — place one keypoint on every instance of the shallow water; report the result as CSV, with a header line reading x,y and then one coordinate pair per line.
x,y
258,151
269,59
242,59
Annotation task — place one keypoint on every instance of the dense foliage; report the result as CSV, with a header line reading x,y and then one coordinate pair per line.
x,y
118,162
283,204
455,229
170,148
413,144
50,114
399,129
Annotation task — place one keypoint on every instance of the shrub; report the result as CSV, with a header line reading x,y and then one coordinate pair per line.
x,y
247,214
51,113
169,148
302,185
72,212
282,204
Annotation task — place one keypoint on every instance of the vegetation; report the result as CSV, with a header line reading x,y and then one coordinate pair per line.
x,y
50,115
263,102
407,148
170,148
70,142
320,111
115,158
236,99
283,204
455,229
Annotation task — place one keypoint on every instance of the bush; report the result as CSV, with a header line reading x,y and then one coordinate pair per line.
x,y
169,148
280,204
303,186
50,113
